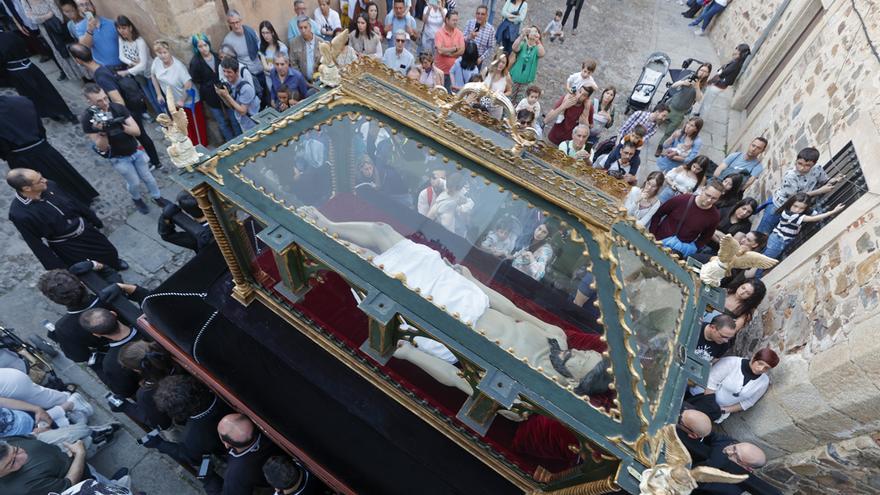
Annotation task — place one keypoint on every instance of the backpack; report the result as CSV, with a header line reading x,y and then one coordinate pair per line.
x,y
129,89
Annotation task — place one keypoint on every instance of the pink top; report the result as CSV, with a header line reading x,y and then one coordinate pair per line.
x,y
445,39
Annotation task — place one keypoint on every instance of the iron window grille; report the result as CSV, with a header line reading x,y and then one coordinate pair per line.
x,y
845,163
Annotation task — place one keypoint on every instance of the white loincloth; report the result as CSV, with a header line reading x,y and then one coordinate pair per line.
x,y
426,270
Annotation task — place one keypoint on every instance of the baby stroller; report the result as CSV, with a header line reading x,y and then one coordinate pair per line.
x,y
653,72
32,358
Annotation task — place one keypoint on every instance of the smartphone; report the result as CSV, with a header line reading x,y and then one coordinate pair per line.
x,y
204,467
146,438
113,400
89,15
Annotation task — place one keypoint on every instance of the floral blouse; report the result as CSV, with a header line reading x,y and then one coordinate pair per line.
x,y
534,268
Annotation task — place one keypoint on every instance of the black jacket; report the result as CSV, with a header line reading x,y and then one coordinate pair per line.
x,y
205,79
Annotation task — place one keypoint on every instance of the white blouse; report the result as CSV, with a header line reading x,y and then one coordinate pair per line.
x,y
679,181
331,20
136,55
174,77
726,379
642,215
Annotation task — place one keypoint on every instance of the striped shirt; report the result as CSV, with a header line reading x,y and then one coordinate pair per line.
x,y
485,39
642,117
789,225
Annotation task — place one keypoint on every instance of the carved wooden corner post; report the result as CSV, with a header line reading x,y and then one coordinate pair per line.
x,y
242,292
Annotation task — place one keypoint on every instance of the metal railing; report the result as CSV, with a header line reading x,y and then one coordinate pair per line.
x,y
846,164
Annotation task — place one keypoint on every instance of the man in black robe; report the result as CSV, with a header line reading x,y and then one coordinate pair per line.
x,y
23,145
103,323
59,230
30,81
732,457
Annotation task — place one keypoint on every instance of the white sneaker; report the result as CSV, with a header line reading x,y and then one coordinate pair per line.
x,y
699,32
80,404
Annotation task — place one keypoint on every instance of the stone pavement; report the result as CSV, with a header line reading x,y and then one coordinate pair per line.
x,y
620,35
23,308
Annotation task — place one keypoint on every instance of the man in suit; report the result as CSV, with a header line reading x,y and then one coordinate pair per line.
x,y
304,53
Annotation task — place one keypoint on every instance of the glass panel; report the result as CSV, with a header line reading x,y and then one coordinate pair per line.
x,y
487,257
655,304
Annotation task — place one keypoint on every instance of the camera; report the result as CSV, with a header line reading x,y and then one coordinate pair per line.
x,y
223,85
573,89
110,125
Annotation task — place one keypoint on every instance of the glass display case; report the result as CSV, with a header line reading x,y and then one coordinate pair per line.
x,y
483,280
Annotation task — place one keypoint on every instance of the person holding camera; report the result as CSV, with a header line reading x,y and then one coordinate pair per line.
x,y
114,133
482,33
686,93
238,94
123,90
570,110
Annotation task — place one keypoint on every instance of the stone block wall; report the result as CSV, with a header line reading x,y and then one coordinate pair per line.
x,y
818,421
741,22
178,20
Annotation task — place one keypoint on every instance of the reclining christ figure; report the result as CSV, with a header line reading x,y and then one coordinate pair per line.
x,y
466,298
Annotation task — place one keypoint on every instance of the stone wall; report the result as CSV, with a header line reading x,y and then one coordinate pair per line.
x,y
741,22
177,20
844,468
818,421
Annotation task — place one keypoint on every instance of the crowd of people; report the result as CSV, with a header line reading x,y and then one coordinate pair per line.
x,y
689,204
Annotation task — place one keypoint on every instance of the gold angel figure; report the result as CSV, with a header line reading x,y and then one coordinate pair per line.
x,y
675,476
328,70
174,126
731,255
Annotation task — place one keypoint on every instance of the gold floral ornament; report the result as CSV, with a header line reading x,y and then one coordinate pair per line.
x,y
730,256
174,125
675,476
328,70
523,139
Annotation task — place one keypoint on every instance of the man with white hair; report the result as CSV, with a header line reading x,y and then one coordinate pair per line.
x,y
299,10
398,57
246,43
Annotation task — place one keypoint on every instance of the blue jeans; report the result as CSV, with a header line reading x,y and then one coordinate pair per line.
x,y
225,118
769,220
775,246
708,13
134,169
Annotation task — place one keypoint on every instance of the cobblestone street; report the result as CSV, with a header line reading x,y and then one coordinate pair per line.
x,y
619,34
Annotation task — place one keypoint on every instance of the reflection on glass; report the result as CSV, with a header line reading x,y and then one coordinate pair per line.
x,y
654,304
467,245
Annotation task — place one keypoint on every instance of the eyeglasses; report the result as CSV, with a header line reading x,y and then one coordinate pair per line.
x,y
400,41
12,457
733,455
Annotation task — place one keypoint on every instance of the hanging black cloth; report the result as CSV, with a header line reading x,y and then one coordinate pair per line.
x,y
29,80
60,230
23,145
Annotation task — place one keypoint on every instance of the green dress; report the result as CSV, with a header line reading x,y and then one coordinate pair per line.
x,y
526,66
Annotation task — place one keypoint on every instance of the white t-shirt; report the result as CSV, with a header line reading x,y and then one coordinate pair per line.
x,y
174,77
576,81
